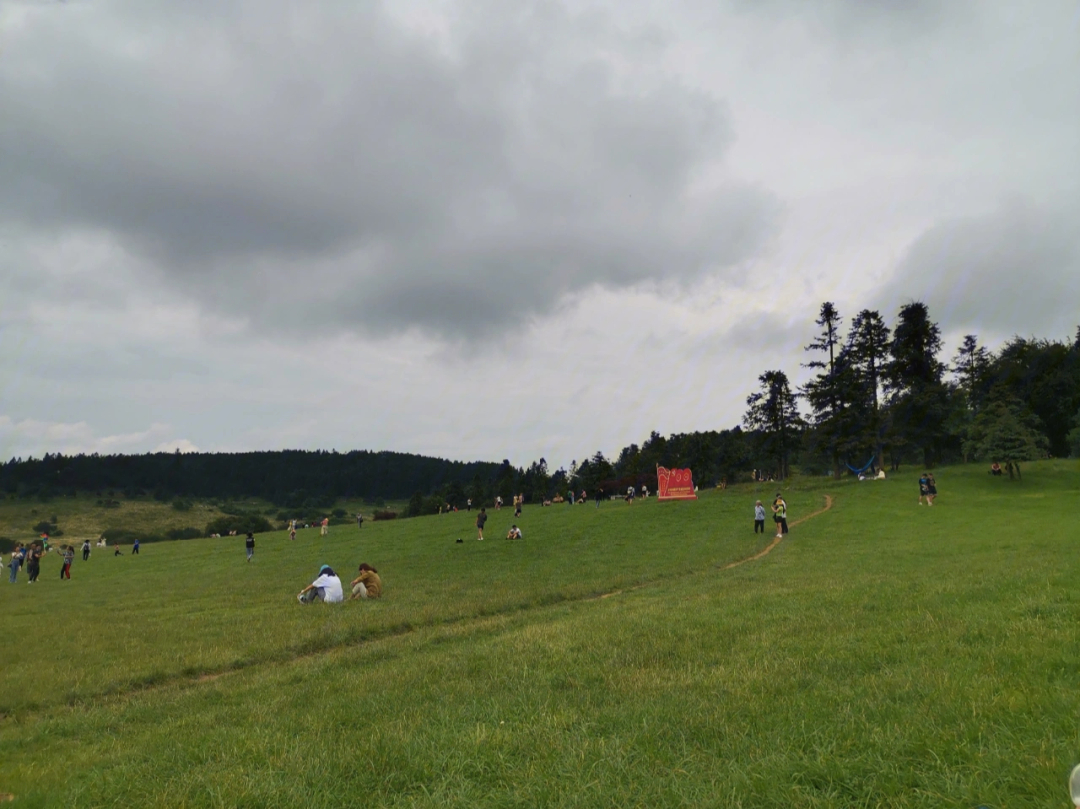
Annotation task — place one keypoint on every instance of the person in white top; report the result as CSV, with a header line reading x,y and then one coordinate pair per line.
x,y
327,587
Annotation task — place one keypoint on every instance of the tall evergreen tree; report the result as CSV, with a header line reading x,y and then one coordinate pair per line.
x,y
866,354
971,366
828,392
774,413
918,398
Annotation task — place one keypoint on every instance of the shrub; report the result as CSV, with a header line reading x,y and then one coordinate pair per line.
x,y
338,512
184,533
182,505
109,503
128,536
384,515
50,528
241,523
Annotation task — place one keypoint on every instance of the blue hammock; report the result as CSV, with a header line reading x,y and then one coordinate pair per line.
x,y
860,471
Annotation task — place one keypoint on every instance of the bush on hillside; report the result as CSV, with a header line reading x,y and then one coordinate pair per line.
x,y
182,505
184,533
127,536
108,503
241,523
338,512
50,528
384,515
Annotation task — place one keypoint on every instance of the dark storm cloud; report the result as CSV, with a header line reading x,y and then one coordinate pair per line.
x,y
1014,271
330,161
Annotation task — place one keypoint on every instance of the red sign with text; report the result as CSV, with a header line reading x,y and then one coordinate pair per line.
x,y
675,484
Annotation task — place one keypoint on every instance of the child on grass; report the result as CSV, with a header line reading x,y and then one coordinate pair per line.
x,y
759,518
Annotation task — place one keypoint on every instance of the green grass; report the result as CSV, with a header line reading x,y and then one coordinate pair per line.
x,y
885,654
81,518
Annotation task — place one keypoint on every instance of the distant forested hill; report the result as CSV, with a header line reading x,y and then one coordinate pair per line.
x,y
283,477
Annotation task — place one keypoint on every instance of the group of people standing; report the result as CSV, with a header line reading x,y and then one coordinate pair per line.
x,y
29,557
927,488
779,510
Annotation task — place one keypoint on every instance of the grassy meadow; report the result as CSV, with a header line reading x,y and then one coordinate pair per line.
x,y
883,654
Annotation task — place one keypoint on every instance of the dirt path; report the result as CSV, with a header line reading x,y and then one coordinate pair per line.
x,y
759,555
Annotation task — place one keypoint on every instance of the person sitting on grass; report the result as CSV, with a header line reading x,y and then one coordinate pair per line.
x,y
514,533
326,587
995,469
367,584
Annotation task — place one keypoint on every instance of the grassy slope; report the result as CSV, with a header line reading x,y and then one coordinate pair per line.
x,y
80,518
886,654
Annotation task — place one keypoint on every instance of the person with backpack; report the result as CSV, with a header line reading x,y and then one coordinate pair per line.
x,y
85,549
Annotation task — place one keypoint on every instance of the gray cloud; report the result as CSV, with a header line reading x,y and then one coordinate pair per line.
x,y
333,163
1016,270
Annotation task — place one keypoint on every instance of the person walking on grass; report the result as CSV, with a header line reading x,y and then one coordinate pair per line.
x,y
249,543
116,550
135,548
359,521
325,526
759,518
33,562
481,518
599,497
326,587
17,557
518,502
367,584
69,557
931,489
85,549
923,488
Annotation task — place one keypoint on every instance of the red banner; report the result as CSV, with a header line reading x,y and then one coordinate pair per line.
x,y
675,484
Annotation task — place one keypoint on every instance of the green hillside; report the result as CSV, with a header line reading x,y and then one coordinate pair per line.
x,y
883,654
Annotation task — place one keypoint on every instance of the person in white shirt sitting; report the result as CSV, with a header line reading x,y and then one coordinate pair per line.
x,y
327,587
515,533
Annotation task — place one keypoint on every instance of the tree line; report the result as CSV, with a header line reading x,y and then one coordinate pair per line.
x,y
295,479
886,394
881,395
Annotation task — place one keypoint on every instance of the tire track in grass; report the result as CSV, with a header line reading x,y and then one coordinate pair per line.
x,y
196,678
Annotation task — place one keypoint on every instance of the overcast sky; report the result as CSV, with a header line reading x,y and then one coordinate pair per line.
x,y
487,230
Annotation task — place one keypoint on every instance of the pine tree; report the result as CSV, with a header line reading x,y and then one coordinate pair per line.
x,y
828,392
971,366
866,354
774,413
1006,431
918,399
